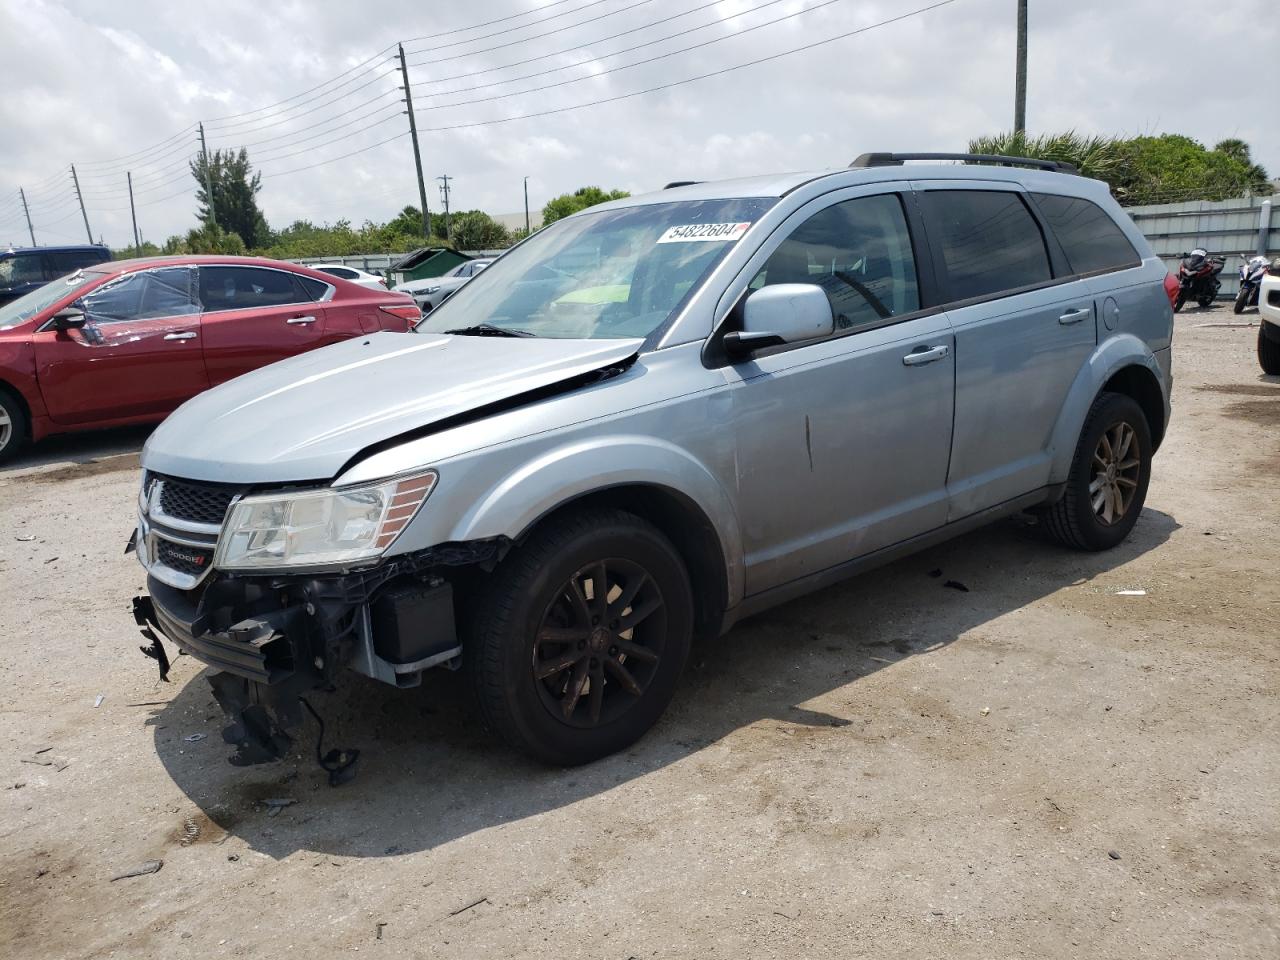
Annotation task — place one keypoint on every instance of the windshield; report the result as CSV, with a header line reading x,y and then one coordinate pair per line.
x,y
24,308
609,275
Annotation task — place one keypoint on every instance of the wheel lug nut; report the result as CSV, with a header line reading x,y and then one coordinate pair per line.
x,y
613,651
613,624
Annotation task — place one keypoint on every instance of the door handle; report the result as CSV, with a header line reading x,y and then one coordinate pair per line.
x,y
186,335
1075,316
922,355
301,320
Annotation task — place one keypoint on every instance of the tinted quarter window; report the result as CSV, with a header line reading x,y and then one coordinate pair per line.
x,y
859,253
243,288
989,240
21,268
315,289
68,261
1091,240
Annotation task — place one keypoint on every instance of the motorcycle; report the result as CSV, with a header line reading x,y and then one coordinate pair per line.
x,y
1251,273
1198,278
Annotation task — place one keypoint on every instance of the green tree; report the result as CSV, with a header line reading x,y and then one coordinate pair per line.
x,y
476,230
1142,170
235,195
211,238
580,199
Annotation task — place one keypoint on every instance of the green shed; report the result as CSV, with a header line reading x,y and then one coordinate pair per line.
x,y
427,262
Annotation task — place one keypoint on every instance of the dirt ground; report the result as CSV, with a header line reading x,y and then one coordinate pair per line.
x,y
1038,767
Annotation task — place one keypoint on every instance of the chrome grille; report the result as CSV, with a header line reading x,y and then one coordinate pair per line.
x,y
193,561
179,522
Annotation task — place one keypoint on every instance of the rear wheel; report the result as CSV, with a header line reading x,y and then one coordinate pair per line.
x,y
1179,303
14,428
580,636
1107,484
1269,349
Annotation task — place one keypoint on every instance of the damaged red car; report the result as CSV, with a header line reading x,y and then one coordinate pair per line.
x,y
128,341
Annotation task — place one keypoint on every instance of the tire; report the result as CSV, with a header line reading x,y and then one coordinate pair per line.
x,y
1205,302
1179,303
1268,351
1242,301
1076,520
527,623
15,431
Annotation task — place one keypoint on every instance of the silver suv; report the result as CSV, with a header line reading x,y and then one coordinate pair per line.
x,y
650,420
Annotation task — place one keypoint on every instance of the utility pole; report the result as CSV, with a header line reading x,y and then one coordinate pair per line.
x,y
444,193
80,197
417,152
1020,77
25,210
527,231
208,177
137,244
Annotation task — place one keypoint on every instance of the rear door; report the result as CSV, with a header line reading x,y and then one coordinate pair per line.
x,y
252,316
138,354
1023,331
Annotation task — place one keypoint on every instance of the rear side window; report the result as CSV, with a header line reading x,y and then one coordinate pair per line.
x,y
342,272
990,242
68,261
859,253
1090,238
244,288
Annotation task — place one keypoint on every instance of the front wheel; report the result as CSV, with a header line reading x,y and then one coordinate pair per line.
x,y
1181,302
14,428
1107,484
1242,301
580,635
1204,302
1269,350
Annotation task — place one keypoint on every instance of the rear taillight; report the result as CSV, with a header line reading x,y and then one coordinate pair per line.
x,y
1171,288
408,312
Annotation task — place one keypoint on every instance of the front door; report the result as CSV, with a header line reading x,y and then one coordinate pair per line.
x,y
138,354
253,316
1021,339
842,444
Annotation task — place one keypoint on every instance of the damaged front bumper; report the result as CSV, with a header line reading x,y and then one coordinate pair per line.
x,y
274,637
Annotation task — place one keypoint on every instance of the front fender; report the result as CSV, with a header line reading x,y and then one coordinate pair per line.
x,y
1111,356
517,501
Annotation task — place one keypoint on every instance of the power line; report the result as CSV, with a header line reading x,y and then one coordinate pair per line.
x,y
490,23
273,120
628,66
525,26
702,76
512,43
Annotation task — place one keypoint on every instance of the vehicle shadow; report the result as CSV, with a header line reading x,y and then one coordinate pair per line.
x,y
81,448
429,775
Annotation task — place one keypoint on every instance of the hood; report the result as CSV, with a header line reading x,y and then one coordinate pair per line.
x,y
304,418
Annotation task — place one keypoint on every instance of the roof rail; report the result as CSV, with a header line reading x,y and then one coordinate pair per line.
x,y
680,183
896,159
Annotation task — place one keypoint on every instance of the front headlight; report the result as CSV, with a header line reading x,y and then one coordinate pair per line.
x,y
320,527
430,290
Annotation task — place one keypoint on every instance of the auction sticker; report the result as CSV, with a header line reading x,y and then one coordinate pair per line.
x,y
702,232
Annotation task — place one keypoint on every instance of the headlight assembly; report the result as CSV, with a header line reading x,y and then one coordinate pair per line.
x,y
337,525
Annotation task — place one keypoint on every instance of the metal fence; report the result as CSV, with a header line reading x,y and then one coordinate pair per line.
x,y
1237,229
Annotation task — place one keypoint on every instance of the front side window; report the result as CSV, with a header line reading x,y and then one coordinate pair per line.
x,y
859,253
990,242
21,269
1091,240
24,308
245,288
606,275
145,295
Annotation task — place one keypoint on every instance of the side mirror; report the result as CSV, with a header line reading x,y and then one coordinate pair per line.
x,y
69,318
781,313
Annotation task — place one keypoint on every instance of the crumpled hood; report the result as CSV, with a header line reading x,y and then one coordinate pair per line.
x,y
305,417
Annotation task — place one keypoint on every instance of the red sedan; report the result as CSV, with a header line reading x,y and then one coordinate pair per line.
x,y
128,341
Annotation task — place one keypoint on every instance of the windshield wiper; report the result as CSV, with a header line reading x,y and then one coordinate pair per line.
x,y
489,330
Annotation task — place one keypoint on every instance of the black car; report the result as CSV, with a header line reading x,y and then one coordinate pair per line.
x,y
27,268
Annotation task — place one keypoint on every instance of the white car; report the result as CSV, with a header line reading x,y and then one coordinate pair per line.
x,y
433,291
342,271
1269,328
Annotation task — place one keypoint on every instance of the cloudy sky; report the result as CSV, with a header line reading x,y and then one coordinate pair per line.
x,y
312,90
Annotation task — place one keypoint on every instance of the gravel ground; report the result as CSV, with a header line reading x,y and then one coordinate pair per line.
x,y
1038,767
